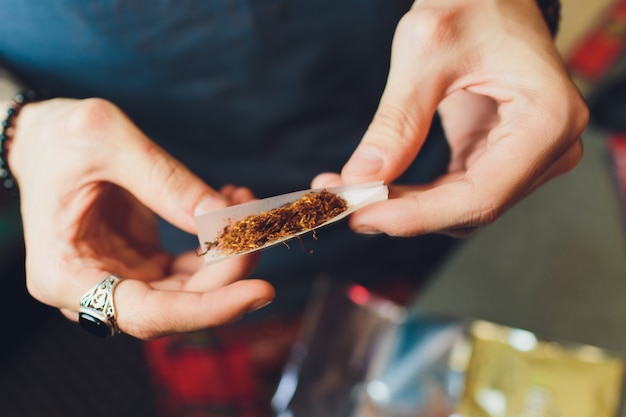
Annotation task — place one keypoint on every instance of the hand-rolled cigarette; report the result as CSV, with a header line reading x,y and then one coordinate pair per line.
x,y
258,224
256,230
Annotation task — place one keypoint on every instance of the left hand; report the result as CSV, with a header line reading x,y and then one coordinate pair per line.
x,y
91,184
511,114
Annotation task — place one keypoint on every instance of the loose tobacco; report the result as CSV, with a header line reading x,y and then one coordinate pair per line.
x,y
256,230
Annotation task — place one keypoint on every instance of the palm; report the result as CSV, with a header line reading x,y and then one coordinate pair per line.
x,y
467,120
117,233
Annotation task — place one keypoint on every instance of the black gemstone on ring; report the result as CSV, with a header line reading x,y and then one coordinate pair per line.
x,y
93,325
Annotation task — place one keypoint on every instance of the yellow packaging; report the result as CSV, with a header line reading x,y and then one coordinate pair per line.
x,y
510,373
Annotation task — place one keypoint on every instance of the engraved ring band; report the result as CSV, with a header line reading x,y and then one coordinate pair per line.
x,y
96,314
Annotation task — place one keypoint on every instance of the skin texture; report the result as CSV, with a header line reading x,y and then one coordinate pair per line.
x,y
511,114
91,182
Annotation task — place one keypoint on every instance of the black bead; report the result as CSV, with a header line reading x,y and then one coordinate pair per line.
x,y
93,325
20,98
19,101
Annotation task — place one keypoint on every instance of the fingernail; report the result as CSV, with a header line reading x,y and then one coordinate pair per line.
x,y
259,305
365,161
367,230
208,203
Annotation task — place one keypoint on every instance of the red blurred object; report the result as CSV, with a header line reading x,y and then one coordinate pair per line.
x,y
223,372
597,53
359,295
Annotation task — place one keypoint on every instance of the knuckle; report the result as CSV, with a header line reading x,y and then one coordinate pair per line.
x,y
430,28
572,110
90,115
572,145
573,124
581,116
394,125
163,174
142,334
136,314
141,327
486,213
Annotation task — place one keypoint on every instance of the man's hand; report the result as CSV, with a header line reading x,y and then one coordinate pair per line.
x,y
90,182
511,114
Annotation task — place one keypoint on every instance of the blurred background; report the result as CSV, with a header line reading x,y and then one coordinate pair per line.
x,y
553,265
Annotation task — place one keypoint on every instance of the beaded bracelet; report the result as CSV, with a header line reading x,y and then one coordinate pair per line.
x,y
19,101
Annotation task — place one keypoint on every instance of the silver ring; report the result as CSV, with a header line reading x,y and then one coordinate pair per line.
x,y
97,310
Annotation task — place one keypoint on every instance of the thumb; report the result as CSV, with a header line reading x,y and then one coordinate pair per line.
x,y
163,184
400,125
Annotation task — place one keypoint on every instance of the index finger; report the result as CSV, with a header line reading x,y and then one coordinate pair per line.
x,y
418,79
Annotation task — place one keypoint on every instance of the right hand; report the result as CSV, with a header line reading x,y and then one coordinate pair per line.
x,y
511,114
90,182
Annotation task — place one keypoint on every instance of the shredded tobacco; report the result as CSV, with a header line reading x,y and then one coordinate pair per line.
x,y
256,230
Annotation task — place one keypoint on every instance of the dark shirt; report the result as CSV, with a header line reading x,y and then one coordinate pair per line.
x,y
261,93
258,93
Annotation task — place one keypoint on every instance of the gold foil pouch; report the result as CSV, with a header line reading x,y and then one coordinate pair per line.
x,y
510,373
382,360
